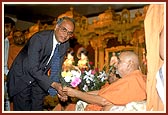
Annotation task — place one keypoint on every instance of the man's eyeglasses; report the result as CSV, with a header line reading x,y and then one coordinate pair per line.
x,y
63,29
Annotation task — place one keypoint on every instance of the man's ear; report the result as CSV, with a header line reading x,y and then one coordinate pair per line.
x,y
130,64
56,27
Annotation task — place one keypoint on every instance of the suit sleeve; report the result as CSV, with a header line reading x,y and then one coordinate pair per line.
x,y
35,58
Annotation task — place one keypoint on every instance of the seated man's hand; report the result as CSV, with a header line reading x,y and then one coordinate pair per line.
x,y
70,92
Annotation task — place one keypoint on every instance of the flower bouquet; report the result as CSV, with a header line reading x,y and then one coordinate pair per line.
x,y
83,79
92,79
71,77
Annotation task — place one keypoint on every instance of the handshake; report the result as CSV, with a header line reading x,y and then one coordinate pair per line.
x,y
64,92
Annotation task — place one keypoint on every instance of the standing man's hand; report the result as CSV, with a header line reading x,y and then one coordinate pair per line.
x,y
61,94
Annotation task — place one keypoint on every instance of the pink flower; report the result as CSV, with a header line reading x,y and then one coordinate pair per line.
x,y
91,63
75,82
93,72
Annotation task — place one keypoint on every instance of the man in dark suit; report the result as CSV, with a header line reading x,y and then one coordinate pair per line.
x,y
28,82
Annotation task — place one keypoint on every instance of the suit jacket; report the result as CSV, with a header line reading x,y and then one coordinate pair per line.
x,y
30,65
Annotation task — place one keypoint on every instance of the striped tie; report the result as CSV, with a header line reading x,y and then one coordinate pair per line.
x,y
55,69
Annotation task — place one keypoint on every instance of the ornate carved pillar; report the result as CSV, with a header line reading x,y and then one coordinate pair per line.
x,y
94,44
101,45
101,58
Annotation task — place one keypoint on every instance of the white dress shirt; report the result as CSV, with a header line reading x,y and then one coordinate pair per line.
x,y
55,42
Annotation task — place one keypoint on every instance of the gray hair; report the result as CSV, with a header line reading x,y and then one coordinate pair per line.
x,y
60,20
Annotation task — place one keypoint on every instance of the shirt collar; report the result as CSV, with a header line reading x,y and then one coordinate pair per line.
x,y
55,42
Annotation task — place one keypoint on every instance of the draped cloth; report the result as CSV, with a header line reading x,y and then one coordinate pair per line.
x,y
55,65
130,88
154,24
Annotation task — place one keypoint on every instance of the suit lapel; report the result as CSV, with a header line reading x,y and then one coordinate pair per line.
x,y
49,46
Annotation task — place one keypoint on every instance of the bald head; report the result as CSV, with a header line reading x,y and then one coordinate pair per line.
x,y
128,62
130,56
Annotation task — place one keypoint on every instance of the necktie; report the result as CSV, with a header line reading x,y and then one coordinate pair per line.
x,y
55,70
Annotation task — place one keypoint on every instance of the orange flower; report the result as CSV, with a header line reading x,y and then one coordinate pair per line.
x,y
93,107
